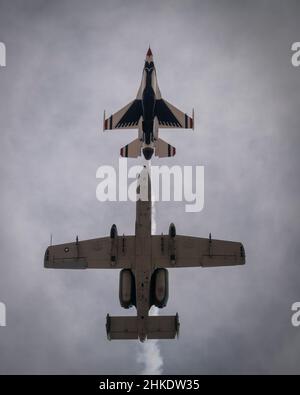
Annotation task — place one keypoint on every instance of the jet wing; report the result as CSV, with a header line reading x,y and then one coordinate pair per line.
x,y
101,253
171,117
126,118
185,251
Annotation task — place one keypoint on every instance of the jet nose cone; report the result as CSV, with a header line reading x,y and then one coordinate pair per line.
x,y
149,52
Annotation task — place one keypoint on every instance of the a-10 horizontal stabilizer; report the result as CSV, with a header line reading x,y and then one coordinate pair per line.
x,y
158,327
163,326
121,328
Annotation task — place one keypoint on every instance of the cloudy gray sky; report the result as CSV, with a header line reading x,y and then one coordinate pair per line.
x,y
67,61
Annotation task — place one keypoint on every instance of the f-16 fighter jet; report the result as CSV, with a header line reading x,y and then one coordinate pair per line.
x,y
147,113
144,259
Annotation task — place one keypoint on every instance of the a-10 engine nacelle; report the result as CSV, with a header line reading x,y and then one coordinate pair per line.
x,y
159,285
159,288
127,293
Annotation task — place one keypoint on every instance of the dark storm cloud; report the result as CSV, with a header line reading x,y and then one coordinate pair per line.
x,y
230,60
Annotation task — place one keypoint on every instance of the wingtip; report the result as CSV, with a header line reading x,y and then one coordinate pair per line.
x,y
193,118
104,121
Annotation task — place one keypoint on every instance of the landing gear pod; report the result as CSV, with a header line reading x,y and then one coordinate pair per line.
x,y
160,288
172,246
113,232
127,289
172,230
113,244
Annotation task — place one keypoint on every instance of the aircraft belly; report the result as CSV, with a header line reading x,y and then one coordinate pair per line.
x,y
142,283
143,247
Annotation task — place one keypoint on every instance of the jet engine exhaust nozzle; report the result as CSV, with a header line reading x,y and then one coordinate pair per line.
x,y
148,152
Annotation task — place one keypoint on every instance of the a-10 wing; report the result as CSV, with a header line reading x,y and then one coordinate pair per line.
x,y
186,251
119,252
100,253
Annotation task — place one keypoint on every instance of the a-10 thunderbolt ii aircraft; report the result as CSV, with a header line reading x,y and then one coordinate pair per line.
x,y
144,259
148,112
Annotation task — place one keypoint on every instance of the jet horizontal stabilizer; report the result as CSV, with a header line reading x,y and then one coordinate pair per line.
x,y
132,150
163,149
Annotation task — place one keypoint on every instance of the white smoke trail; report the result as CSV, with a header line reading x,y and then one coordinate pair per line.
x,y
149,354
